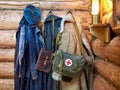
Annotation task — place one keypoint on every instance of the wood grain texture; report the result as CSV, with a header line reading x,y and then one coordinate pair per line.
x,y
41,0
109,71
51,5
7,39
10,19
7,55
101,84
6,70
6,84
109,51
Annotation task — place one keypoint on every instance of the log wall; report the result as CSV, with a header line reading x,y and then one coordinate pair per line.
x,y
108,63
6,84
11,11
109,71
111,50
101,84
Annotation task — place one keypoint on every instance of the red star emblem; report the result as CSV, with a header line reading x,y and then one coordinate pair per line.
x,y
68,62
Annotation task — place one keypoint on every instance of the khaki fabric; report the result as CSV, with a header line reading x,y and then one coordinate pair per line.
x,y
69,43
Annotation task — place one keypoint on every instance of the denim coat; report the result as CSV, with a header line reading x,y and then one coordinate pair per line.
x,y
26,76
49,40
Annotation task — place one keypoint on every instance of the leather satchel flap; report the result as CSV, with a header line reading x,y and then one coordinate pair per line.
x,y
43,62
45,54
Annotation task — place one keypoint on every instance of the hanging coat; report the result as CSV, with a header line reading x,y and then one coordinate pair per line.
x,y
28,44
50,33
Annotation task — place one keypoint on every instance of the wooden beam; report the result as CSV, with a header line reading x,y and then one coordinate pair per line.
x,y
6,84
46,5
10,19
6,70
109,71
7,38
109,51
7,55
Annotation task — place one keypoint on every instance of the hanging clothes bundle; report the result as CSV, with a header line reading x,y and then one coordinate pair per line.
x,y
50,30
28,44
30,40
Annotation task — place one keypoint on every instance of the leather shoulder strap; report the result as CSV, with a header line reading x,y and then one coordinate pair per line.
x,y
82,49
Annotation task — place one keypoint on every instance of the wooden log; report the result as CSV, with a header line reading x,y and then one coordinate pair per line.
x,y
60,0
98,47
51,5
109,71
10,19
6,70
100,83
109,51
7,55
40,0
6,84
7,38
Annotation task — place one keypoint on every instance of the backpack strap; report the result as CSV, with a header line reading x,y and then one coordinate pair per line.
x,y
53,28
84,52
58,37
82,79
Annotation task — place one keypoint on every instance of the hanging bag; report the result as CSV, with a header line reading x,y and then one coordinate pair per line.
x,y
68,64
44,60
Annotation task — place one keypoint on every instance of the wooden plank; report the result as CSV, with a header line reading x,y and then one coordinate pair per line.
x,y
6,84
7,38
101,84
109,51
7,55
109,71
10,19
6,70
49,5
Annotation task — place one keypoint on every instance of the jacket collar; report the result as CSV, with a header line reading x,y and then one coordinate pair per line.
x,y
65,18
